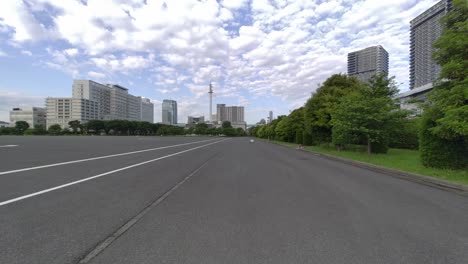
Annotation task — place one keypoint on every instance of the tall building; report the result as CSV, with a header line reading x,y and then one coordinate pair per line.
x,y
119,103
425,30
114,100
96,92
95,101
134,105
368,62
235,113
61,110
34,116
270,117
220,112
147,110
169,112
229,113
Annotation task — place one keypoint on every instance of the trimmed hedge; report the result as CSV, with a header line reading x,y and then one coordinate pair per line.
x,y
406,136
441,153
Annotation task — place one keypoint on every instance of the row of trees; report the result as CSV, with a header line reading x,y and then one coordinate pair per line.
x,y
346,113
22,128
225,129
121,127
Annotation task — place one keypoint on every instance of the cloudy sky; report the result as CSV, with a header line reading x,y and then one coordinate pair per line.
x,y
262,54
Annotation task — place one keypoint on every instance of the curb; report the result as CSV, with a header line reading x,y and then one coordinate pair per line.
x,y
414,177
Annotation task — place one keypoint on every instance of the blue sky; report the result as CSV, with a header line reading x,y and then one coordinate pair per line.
x,y
263,54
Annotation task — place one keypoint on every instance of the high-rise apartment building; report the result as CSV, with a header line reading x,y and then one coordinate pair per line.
x,y
229,113
270,117
425,30
235,113
147,110
61,110
365,63
34,116
169,112
220,112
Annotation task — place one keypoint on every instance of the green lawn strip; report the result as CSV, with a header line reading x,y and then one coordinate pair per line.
x,y
400,159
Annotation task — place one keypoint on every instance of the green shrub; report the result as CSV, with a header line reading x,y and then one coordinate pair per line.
x,y
29,131
379,147
441,153
406,136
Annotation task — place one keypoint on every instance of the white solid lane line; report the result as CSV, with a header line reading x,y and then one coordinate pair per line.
x,y
101,175
8,146
97,158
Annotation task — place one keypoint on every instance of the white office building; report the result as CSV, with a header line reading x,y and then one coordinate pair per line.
x,y
61,110
90,90
147,110
34,116
114,101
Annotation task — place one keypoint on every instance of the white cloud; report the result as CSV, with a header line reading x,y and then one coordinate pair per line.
x,y
96,75
26,27
26,52
234,4
168,91
71,52
3,54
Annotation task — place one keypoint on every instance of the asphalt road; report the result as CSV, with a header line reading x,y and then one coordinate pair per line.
x,y
213,200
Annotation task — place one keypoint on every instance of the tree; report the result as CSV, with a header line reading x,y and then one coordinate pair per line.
x,y
95,126
7,130
253,131
55,129
212,131
369,113
282,130
226,124
406,136
200,129
229,131
319,108
39,130
74,125
240,132
444,129
260,132
21,126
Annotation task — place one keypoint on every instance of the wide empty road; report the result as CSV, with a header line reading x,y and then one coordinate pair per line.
x,y
213,200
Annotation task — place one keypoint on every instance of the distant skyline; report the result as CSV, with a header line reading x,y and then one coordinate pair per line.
x,y
263,55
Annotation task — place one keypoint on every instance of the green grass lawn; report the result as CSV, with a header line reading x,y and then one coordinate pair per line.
x,y
400,159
